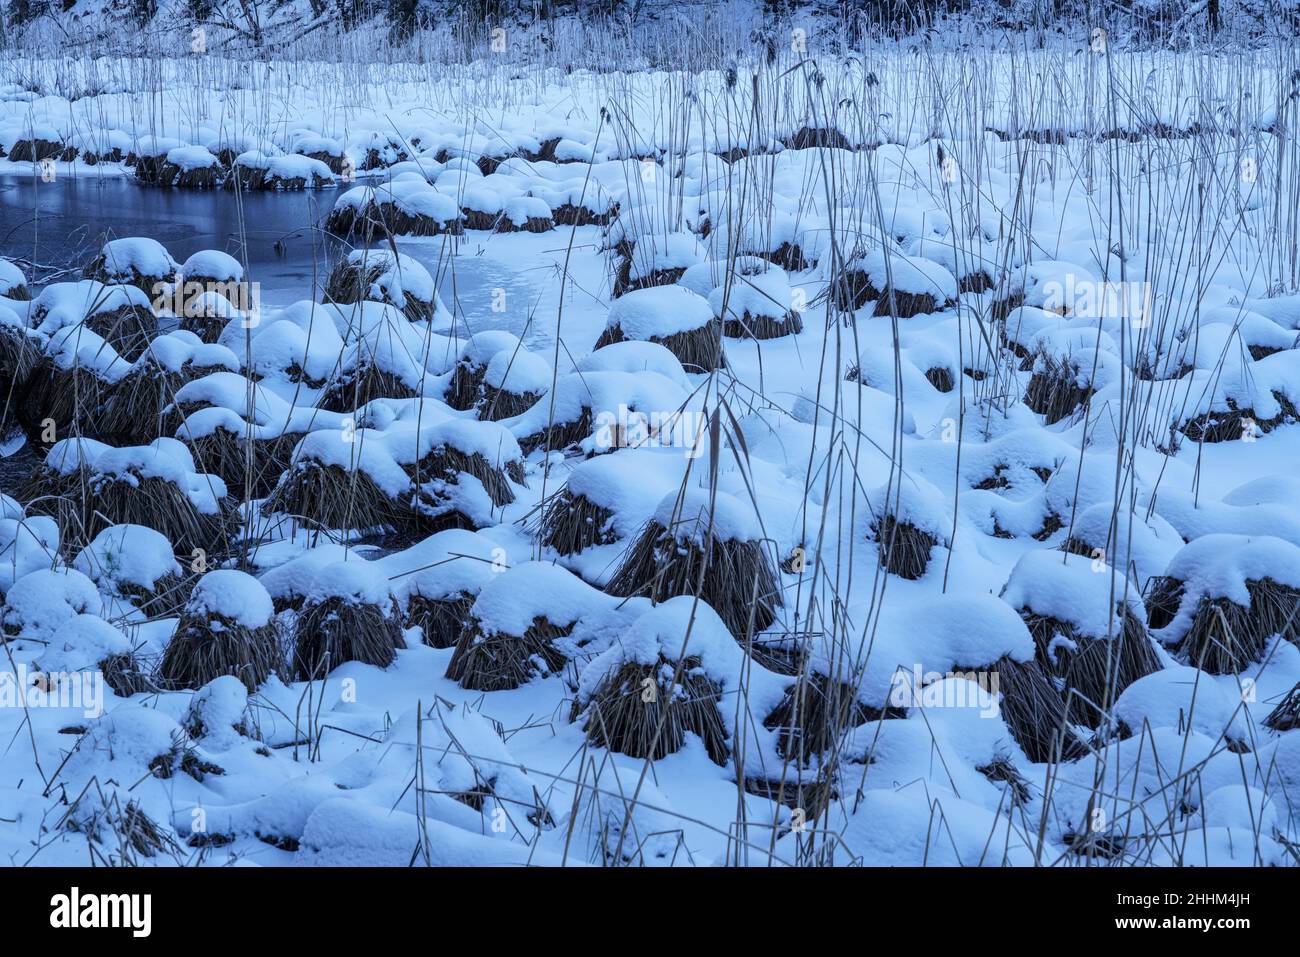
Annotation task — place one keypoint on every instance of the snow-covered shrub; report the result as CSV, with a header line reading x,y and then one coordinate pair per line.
x,y
226,628
1088,625
347,614
1223,599
706,543
522,625
672,316
662,679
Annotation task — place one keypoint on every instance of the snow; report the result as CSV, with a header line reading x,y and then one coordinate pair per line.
x,y
37,604
660,311
1076,589
509,602
233,595
128,554
697,514
213,264
80,643
146,257
1218,566
807,460
11,278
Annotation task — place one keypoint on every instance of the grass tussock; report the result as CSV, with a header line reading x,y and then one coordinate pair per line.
x,y
638,710
502,662
1094,671
736,578
571,523
207,645
336,630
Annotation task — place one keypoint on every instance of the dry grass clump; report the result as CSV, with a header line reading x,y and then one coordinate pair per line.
x,y
352,388
502,662
236,459
1224,637
1093,670
852,289
19,355
813,137
154,502
619,717
698,350
34,149
1235,422
1286,716
735,577
350,281
498,404
388,219
440,620
814,714
198,177
1034,711
812,797
558,436
624,283
129,329
437,473
337,629
139,408
333,497
749,326
571,523
126,674
904,548
208,644
941,378
1053,391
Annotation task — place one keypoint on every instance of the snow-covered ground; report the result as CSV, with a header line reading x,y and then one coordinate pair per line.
x,y
883,459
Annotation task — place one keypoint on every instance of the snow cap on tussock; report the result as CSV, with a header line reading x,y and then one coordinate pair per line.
x,y
11,279
39,602
934,634
1074,589
354,582
26,545
633,356
147,257
128,554
907,274
664,631
913,500
233,595
213,264
659,311
80,643
444,565
1218,566
756,293
1183,698
696,514
513,598
518,371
